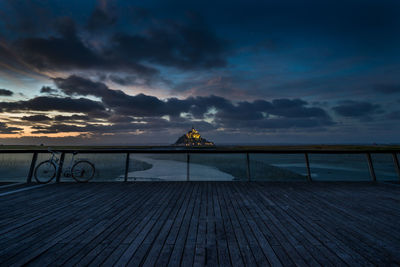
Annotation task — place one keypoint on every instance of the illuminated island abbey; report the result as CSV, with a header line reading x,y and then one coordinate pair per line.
x,y
193,138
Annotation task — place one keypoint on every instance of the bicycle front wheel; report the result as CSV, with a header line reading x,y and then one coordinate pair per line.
x,y
83,171
45,172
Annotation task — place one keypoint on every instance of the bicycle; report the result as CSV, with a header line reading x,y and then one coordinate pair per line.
x,y
81,170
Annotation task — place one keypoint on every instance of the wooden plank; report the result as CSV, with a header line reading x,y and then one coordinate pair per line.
x,y
47,206
131,210
211,243
147,253
343,229
242,216
199,256
241,236
190,245
264,233
232,242
344,253
20,221
298,253
160,241
286,252
170,239
179,245
133,241
220,233
371,222
105,247
202,223
41,227
85,236
320,253
50,239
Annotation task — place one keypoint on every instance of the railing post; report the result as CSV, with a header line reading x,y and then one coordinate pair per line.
x,y
308,167
60,166
126,167
187,167
248,167
371,167
32,167
396,163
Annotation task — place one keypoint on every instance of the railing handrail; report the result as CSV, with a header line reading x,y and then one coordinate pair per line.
x,y
207,150
210,150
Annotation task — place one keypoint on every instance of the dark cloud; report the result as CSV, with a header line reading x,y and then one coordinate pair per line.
x,y
182,46
4,129
66,27
223,111
125,80
57,128
66,46
36,118
101,18
232,87
58,53
357,109
72,118
66,51
45,103
152,124
394,115
296,108
276,123
76,85
387,88
139,105
5,92
280,113
48,90
143,112
26,17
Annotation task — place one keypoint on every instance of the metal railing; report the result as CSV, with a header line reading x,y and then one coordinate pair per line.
x,y
190,151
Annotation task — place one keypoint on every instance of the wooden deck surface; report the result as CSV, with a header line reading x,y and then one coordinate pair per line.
x,y
201,223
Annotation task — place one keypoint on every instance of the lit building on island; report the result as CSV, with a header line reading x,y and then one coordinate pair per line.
x,y
193,138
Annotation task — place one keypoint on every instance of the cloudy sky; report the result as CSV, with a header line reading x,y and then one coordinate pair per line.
x,y
120,72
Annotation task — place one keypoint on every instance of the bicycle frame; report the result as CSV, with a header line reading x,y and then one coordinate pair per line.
x,y
54,159
71,163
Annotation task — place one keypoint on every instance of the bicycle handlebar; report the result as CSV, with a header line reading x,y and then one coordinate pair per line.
x,y
53,151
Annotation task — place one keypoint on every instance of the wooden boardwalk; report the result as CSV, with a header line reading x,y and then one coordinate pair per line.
x,y
201,223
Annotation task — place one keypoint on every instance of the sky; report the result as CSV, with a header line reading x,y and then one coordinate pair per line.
x,y
241,72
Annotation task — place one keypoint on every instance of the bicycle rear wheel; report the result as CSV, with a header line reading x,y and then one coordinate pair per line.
x,y
83,171
45,172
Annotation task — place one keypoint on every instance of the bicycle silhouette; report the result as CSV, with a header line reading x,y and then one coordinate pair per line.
x,y
81,170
